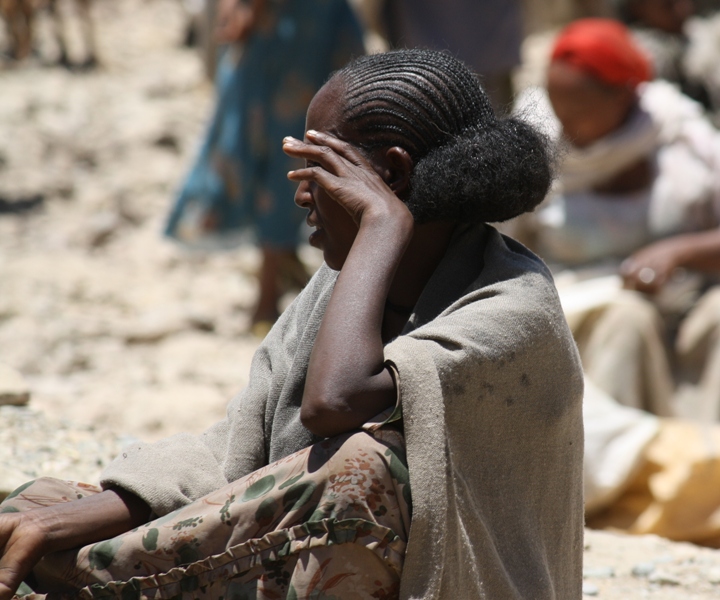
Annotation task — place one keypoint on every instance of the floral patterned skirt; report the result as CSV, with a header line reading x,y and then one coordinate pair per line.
x,y
330,521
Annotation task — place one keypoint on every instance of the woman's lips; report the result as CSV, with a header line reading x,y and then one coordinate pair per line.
x,y
315,236
314,239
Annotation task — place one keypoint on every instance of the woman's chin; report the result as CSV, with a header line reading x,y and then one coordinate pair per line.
x,y
333,259
333,262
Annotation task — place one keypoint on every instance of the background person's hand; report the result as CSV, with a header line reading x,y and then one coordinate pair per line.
x,y
22,540
235,20
651,267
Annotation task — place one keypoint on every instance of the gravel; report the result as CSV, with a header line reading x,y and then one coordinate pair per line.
x,y
33,445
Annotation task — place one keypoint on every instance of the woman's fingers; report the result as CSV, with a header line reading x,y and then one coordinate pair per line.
x,y
327,150
20,549
344,173
324,156
316,174
342,148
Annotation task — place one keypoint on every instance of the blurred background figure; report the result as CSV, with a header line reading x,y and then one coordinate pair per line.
x,y
278,53
676,43
485,34
549,14
637,200
20,17
631,233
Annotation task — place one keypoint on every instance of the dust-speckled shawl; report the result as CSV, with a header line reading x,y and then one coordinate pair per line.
x,y
491,391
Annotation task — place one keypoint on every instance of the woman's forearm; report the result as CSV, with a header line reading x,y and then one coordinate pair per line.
x,y
347,382
90,519
26,537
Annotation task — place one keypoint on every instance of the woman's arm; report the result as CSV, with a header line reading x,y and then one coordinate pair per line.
x,y
26,537
347,382
650,268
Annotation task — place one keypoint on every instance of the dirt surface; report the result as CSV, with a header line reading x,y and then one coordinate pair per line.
x,y
111,324
118,333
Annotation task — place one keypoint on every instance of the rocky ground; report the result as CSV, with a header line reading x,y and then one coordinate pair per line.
x,y
115,333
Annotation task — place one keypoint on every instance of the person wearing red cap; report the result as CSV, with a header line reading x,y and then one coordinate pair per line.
x,y
631,231
593,77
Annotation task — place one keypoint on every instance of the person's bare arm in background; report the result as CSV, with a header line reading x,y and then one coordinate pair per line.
x,y
236,19
648,269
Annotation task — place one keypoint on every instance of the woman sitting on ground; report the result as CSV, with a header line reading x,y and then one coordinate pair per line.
x,y
429,354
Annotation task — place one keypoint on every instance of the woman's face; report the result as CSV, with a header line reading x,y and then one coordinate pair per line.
x,y
587,109
335,230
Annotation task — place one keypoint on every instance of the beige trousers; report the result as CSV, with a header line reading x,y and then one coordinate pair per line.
x,y
627,351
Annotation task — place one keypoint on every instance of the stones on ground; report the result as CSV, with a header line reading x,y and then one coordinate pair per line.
x,y
650,567
101,227
598,572
713,575
14,390
664,578
590,589
643,569
10,479
33,445
161,323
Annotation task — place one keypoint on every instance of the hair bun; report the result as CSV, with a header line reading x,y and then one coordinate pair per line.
x,y
489,173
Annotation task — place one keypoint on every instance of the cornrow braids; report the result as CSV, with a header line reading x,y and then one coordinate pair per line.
x,y
468,164
416,99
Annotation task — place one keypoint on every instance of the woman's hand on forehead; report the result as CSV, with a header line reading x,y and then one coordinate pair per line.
x,y
346,175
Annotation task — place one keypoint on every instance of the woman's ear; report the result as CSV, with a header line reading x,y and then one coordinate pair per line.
x,y
398,169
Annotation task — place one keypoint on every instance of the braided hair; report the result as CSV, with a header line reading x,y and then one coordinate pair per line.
x,y
469,165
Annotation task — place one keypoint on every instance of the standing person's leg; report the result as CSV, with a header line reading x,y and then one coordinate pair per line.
x,y
277,218
281,270
208,46
88,30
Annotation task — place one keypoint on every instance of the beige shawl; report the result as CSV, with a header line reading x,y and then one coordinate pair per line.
x,y
491,390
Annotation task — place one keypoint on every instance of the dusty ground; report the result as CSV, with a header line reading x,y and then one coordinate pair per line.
x,y
118,333
111,324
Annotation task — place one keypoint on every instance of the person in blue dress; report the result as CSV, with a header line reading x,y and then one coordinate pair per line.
x,y
277,54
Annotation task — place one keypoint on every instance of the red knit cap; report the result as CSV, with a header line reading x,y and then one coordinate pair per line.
x,y
604,49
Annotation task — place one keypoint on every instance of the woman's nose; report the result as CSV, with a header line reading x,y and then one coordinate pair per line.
x,y
303,197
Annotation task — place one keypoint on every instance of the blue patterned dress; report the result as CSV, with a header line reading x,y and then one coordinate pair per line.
x,y
238,182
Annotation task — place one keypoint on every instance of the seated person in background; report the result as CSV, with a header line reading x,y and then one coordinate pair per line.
x,y
637,201
631,232
683,50
429,353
